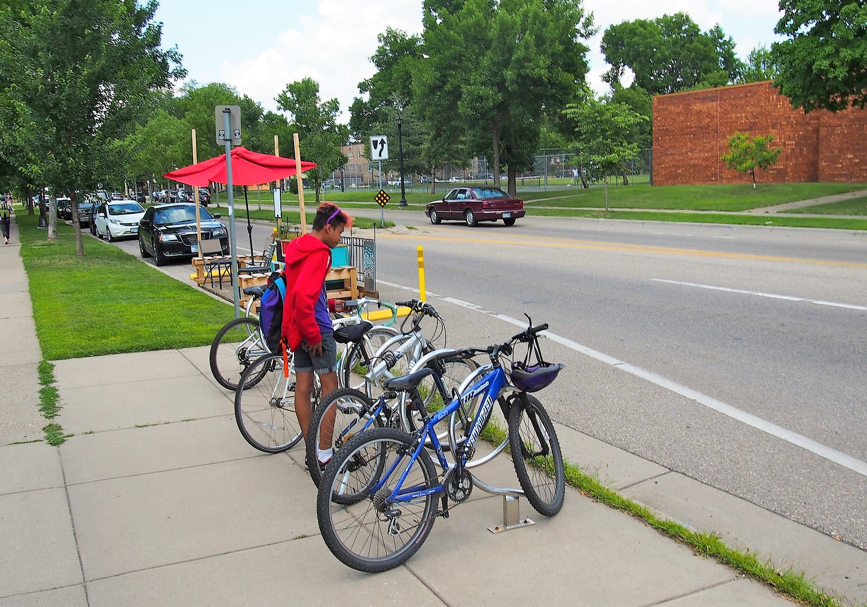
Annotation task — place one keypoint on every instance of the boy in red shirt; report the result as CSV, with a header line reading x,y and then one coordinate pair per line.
x,y
307,326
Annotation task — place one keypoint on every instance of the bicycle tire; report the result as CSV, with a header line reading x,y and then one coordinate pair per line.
x,y
353,370
365,535
265,411
542,477
349,406
237,344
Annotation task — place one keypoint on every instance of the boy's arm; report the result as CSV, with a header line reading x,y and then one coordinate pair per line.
x,y
308,286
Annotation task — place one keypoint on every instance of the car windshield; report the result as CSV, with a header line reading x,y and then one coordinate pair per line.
x,y
485,193
179,214
126,208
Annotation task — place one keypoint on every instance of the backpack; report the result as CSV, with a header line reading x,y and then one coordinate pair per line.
x,y
271,313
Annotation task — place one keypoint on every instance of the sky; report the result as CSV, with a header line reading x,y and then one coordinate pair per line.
x,y
259,46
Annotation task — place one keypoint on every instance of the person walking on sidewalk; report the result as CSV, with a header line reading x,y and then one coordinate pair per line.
x,y
6,210
307,329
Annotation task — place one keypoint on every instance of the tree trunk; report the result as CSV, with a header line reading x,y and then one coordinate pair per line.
x,y
581,176
496,136
76,225
433,180
605,181
753,172
625,179
52,218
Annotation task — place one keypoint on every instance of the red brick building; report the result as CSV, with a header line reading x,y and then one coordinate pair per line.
x,y
691,132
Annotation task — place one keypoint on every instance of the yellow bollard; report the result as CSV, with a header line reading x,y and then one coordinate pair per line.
x,y
421,289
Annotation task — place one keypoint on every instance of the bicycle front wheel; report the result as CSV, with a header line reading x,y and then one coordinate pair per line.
x,y
341,416
536,455
237,344
265,410
375,533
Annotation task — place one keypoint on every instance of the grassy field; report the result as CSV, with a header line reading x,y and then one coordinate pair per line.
x,y
693,198
109,302
853,206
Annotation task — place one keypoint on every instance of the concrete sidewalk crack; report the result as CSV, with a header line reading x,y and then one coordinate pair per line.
x,y
74,532
694,592
650,478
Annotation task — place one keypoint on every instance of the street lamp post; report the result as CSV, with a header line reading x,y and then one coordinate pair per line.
x,y
400,156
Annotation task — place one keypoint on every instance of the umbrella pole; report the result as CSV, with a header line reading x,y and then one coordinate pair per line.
x,y
249,227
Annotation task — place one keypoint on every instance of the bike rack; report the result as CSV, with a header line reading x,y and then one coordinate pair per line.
x,y
511,507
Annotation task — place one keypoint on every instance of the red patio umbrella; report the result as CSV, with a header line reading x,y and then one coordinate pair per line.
x,y
248,168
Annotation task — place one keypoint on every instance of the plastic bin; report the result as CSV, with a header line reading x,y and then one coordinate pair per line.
x,y
340,256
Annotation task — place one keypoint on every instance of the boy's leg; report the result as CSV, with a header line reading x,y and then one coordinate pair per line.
x,y
329,385
303,392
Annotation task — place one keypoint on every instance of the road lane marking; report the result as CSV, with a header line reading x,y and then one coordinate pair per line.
x,y
823,451
545,242
818,302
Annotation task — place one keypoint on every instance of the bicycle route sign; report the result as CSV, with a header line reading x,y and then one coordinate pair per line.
x,y
382,198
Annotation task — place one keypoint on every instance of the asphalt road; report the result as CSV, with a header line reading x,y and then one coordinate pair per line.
x,y
735,355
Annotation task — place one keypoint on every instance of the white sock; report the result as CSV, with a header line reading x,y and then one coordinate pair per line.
x,y
324,455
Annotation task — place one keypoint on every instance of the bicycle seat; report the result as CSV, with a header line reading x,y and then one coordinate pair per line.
x,y
407,382
351,334
254,291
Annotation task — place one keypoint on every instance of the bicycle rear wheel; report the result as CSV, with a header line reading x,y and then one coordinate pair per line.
x,y
453,371
265,411
237,344
341,416
373,534
536,455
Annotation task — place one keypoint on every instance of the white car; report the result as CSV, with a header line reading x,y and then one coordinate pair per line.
x,y
118,219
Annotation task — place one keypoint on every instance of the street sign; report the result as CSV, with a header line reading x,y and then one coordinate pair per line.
x,y
382,198
234,124
379,147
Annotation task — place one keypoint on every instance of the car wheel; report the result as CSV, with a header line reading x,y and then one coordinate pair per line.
x,y
158,257
108,235
470,218
509,222
434,218
141,248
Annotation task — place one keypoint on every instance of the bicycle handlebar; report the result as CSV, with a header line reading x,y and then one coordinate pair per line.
x,y
527,335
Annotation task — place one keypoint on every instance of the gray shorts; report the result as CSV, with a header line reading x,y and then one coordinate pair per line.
x,y
327,363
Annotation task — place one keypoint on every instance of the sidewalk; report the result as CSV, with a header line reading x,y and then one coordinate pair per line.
x,y
157,500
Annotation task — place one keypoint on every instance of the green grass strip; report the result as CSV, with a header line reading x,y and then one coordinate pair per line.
x,y
49,406
108,302
835,223
788,582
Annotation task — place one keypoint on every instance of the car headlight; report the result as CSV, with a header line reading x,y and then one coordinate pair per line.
x,y
114,221
167,237
218,233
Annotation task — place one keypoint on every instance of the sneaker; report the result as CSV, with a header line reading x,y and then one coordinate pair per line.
x,y
323,465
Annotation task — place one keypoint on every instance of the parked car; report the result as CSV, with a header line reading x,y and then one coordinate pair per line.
x,y
116,196
168,231
140,197
476,204
204,197
118,219
62,205
85,212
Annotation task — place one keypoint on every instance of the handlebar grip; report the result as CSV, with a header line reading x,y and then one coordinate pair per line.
x,y
538,329
406,304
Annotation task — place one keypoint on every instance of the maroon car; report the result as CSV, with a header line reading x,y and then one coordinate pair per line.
x,y
473,205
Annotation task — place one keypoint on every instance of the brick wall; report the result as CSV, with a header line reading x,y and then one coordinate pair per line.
x,y
691,132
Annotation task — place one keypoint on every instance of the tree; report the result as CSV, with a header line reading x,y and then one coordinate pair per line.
x,y
748,153
196,106
669,54
602,136
492,70
319,134
822,64
760,66
80,71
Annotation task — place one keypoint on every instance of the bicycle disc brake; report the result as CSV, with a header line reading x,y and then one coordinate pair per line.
x,y
458,483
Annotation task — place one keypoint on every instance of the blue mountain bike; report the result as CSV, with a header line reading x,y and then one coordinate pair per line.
x,y
377,499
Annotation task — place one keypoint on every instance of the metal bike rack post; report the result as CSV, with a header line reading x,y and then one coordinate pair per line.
x,y
511,507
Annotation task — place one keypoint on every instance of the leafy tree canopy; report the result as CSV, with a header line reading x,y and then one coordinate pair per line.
x,y
822,64
760,66
747,153
670,54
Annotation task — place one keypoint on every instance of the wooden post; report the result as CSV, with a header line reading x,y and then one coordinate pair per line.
x,y
196,200
300,184
277,153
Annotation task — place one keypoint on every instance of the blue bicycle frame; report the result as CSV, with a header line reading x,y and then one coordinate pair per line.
x,y
491,383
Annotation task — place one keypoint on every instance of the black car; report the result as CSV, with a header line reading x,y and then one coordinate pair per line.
x,y
85,212
64,206
168,231
204,197
140,197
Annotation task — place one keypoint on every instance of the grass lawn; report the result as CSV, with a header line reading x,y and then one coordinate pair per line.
x,y
687,197
853,206
839,223
108,302
294,217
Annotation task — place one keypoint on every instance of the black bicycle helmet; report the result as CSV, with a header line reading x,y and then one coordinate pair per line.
x,y
532,378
